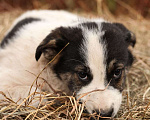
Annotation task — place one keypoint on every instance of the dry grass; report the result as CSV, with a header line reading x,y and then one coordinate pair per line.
x,y
136,102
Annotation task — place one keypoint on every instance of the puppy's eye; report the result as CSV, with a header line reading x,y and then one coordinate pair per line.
x,y
83,76
117,73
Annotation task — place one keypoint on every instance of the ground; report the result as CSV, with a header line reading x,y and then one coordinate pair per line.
x,y
136,102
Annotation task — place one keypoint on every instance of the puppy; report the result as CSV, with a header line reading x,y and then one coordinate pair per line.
x,y
96,58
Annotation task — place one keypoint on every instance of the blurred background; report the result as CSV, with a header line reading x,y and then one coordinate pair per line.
x,y
98,7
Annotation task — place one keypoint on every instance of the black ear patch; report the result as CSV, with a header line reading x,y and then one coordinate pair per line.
x,y
130,36
130,39
51,45
130,58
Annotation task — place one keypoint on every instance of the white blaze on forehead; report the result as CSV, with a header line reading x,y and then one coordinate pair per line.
x,y
94,53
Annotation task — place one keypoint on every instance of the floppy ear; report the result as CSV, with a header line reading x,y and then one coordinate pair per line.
x,y
130,39
129,36
51,45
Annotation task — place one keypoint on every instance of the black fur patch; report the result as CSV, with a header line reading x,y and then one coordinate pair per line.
x,y
71,62
117,48
116,43
15,29
130,37
72,58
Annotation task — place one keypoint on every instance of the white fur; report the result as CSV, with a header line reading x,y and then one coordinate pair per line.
x,y
53,17
18,57
47,15
95,54
17,60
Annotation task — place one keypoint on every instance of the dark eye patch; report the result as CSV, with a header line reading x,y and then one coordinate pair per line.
x,y
84,74
116,73
74,72
115,69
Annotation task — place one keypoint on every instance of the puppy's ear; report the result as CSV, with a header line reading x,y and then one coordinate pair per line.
x,y
51,45
129,36
130,39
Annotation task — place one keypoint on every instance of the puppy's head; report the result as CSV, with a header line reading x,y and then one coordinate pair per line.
x,y
96,58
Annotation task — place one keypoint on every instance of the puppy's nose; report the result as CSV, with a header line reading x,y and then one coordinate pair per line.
x,y
106,113
103,113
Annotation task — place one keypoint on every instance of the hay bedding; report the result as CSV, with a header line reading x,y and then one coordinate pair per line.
x,y
136,102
